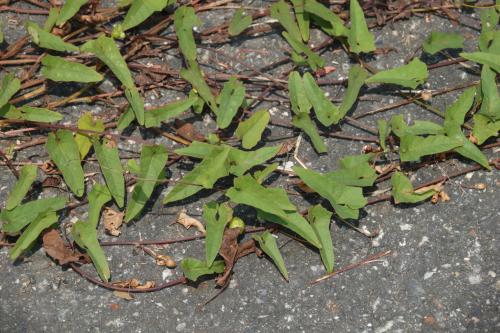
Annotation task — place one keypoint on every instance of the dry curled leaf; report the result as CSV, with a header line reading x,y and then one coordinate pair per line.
x,y
113,221
435,187
54,246
287,147
444,196
382,170
49,168
426,95
480,186
164,260
123,295
187,131
146,285
134,284
51,182
188,221
473,139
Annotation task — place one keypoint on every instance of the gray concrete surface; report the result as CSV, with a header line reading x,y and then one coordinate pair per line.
x,y
443,275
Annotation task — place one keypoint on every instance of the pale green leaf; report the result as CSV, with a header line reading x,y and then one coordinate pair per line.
x,y
140,10
39,224
87,122
484,128
412,148
467,149
153,160
31,113
136,103
194,268
230,100
50,22
490,106
360,39
185,20
154,118
383,132
216,218
320,218
10,86
59,70
402,190
484,58
297,93
126,119
69,9
438,41
195,77
239,23
314,60
302,18
27,176
63,150
354,171
261,175
489,21
457,111
325,18
357,77
250,131
281,12
420,127
267,243
98,197
47,40
304,122
326,112
410,76
111,168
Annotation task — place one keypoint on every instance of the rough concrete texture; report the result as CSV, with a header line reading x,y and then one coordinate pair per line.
x,y
441,276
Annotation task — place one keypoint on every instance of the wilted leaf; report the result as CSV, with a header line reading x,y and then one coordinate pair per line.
x,y
319,218
154,118
185,20
112,222
412,148
10,86
304,122
438,41
140,10
402,190
153,160
239,23
63,150
47,40
112,170
194,268
230,100
281,12
360,39
54,246
83,139
35,228
325,18
69,9
267,243
484,58
326,112
216,217
250,131
26,178
357,77
59,70
410,76
187,221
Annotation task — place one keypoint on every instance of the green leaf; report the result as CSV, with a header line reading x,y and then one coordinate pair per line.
x,y
354,171
489,21
153,160
410,76
47,40
26,178
490,106
194,268
261,175
98,197
325,18
383,132
126,119
59,70
274,201
457,111
438,41
230,100
83,139
85,235
250,131
10,86
484,128
195,77
314,60
412,148
281,12
304,122
31,113
111,168
140,10
50,22
185,20
239,23
22,215
136,103
216,218
357,77
346,200
267,243
359,37
1,32
302,18
298,97
484,58
420,127
154,118
467,149
320,218
39,224
402,190
326,112
63,150
69,9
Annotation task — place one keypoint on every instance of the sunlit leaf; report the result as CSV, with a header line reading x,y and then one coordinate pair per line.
x,y
111,168
194,268
412,147
185,20
69,9
457,111
302,18
484,58
27,176
63,150
59,70
47,40
419,127
484,128
467,148
126,119
10,86
154,118
239,23
230,100
325,18
490,106
140,10
438,41
410,76
267,243
50,22
402,190
30,113
281,12
326,112
83,139
260,176
383,132
297,93
216,218
319,218
153,160
489,22
354,171
360,39
314,60
195,77
304,122
250,131
357,77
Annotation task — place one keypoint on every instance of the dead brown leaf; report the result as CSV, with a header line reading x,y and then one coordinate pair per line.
x,y
304,188
146,285
54,246
113,221
164,260
435,187
51,182
134,284
188,221
49,168
123,295
287,147
187,131
382,170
